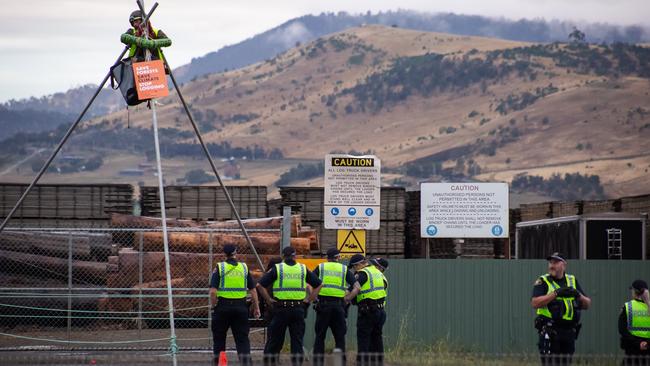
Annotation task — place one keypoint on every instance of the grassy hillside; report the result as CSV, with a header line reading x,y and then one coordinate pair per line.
x,y
430,105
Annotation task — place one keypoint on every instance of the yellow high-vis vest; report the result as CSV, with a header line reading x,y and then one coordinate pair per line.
x,y
568,313
333,276
638,319
233,280
133,47
291,282
373,288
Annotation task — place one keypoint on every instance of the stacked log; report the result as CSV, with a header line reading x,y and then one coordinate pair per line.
x,y
53,267
268,242
194,252
85,246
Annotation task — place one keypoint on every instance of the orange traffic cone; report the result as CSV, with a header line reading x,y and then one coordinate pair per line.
x,y
223,360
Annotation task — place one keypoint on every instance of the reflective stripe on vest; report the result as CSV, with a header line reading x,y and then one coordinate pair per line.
x,y
133,47
638,319
290,284
568,301
374,287
332,274
233,280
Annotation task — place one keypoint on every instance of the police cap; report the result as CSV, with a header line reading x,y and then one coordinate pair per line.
x,y
229,249
383,263
288,252
356,259
332,253
556,256
639,285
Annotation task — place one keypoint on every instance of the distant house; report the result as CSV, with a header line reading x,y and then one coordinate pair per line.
x,y
132,172
231,170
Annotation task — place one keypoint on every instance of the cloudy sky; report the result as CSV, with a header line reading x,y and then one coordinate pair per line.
x,y
48,46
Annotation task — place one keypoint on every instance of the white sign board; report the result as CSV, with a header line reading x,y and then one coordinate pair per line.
x,y
352,192
464,210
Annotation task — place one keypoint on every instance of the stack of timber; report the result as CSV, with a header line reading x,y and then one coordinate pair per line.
x,y
388,241
80,256
194,252
416,245
205,202
65,205
446,248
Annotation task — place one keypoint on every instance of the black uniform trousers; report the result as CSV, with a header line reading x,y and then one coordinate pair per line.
x,y
329,314
636,357
370,343
292,317
559,347
234,315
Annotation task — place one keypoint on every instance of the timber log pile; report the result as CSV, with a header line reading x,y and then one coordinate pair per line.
x,y
133,262
193,255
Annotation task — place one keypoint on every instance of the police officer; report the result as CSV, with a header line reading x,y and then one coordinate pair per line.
x,y
330,310
380,263
229,284
558,299
370,297
289,305
634,325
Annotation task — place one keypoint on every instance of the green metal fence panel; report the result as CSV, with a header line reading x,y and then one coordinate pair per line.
x,y
484,305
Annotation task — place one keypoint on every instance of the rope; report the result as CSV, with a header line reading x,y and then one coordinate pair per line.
x,y
13,295
82,342
99,317
173,345
99,312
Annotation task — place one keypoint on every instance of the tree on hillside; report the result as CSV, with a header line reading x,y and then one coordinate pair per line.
x,y
198,176
577,36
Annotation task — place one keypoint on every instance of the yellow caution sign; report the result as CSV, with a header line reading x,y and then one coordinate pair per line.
x,y
351,242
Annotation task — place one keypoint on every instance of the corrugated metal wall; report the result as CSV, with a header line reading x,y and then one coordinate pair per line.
x,y
485,304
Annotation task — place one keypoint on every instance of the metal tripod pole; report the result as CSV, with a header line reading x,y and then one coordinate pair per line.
x,y
58,148
214,167
163,213
65,137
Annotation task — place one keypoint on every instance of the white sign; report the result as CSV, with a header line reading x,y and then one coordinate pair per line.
x,y
464,210
352,192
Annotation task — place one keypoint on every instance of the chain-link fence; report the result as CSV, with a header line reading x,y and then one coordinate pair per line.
x,y
106,287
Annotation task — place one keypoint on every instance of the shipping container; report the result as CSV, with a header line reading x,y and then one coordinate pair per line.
x,y
609,235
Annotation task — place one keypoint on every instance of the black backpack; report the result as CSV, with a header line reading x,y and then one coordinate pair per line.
x,y
122,74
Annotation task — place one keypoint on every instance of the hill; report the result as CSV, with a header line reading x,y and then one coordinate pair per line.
x,y
310,27
431,105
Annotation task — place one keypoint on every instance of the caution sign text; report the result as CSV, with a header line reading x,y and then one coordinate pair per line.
x,y
352,192
464,210
351,242
150,79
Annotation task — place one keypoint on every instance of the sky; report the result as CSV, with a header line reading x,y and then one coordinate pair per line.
x,y
49,46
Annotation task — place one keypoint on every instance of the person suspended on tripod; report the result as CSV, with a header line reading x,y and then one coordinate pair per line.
x,y
135,38
140,38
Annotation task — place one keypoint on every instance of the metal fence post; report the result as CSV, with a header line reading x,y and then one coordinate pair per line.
x,y
428,249
140,281
69,286
209,278
286,226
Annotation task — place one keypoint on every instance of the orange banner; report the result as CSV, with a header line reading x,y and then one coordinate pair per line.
x,y
311,263
150,79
